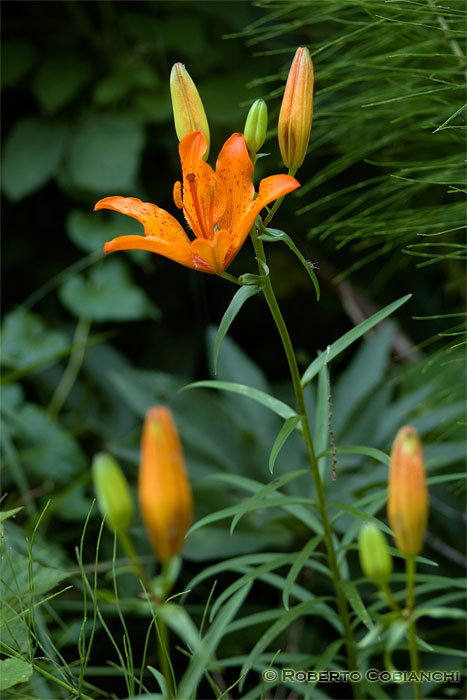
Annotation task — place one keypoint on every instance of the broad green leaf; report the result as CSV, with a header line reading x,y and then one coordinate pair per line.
x,y
17,60
14,671
297,566
262,495
279,407
14,628
350,337
47,449
89,230
286,430
26,340
105,154
58,80
31,156
356,602
271,235
107,293
202,656
239,298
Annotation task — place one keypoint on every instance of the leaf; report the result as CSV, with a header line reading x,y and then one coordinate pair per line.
x,y
181,623
321,435
32,154
272,632
286,430
161,681
361,514
17,60
270,402
58,80
107,293
239,298
350,337
360,450
90,231
440,613
49,450
5,514
202,656
105,154
297,566
360,379
26,340
262,495
356,603
14,671
273,234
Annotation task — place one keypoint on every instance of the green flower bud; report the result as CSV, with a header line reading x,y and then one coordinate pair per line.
x,y
188,110
112,492
375,559
256,126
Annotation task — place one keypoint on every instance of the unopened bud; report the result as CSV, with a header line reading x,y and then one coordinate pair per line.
x,y
296,111
256,126
408,493
164,490
375,558
112,492
188,110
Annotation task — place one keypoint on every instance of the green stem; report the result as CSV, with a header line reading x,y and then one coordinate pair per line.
x,y
69,688
277,203
390,598
164,656
73,367
300,399
127,546
412,633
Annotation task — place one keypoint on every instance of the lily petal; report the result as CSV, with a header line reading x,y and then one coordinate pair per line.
x,y
235,169
156,221
213,252
270,189
203,192
180,253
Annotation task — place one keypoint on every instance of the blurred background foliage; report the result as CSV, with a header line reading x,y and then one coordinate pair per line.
x,y
88,344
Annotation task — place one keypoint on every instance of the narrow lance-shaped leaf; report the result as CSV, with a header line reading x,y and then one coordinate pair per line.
x,y
279,407
350,337
272,235
286,430
202,655
239,298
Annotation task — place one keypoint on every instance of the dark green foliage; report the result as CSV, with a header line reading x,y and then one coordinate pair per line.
x,y
89,344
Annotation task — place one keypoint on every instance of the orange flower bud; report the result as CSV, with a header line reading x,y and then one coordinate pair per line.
x,y
296,111
188,110
164,490
408,493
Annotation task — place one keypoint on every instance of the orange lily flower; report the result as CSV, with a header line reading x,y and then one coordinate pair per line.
x,y
219,207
